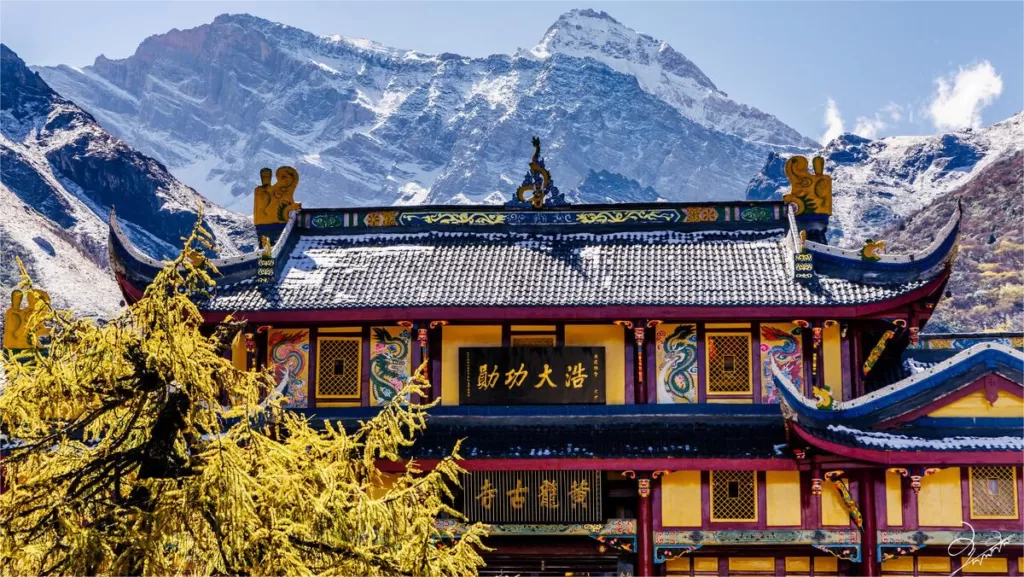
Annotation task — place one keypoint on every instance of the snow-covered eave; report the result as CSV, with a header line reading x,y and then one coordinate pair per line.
x,y
937,251
902,450
993,357
126,257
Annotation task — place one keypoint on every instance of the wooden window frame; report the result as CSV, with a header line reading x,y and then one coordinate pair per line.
x,y
355,400
710,334
970,496
756,496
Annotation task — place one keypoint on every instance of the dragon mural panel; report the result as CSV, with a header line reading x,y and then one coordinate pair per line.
x,y
677,363
390,362
288,353
781,345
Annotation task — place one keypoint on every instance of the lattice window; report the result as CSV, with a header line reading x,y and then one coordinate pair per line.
x,y
728,362
733,496
993,492
339,368
533,340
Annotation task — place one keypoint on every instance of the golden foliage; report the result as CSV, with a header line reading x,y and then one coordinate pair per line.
x,y
122,459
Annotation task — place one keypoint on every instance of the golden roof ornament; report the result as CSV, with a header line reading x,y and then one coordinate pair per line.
x,y
810,192
19,330
872,249
538,183
274,203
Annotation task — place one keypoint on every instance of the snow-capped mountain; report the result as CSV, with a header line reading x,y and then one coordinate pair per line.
x,y
877,184
59,177
663,72
369,124
986,287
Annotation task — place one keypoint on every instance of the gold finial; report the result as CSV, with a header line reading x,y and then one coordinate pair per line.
x,y
266,250
810,192
18,330
538,180
273,203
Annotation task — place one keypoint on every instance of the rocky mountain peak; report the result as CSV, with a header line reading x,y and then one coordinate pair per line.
x,y
588,33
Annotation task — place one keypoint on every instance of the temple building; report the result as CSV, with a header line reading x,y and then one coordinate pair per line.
x,y
659,389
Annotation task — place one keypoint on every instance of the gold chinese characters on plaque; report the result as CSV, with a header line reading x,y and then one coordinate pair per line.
x,y
533,496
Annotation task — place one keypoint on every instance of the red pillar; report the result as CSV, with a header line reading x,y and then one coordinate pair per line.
x,y
644,528
870,564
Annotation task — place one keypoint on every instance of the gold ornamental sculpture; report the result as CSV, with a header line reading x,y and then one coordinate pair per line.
x,y
19,330
273,203
810,192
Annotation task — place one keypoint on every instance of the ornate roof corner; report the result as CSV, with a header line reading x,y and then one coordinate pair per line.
x,y
134,269
538,183
887,420
871,265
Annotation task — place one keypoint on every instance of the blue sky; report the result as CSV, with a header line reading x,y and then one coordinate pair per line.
x,y
871,67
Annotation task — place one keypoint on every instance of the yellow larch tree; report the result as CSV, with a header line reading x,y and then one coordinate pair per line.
x,y
121,459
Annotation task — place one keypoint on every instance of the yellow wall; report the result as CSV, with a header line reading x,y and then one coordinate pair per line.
x,y
822,564
453,337
901,564
677,566
832,357
934,564
705,564
798,564
893,499
752,564
939,503
976,405
612,339
782,498
833,511
994,565
680,499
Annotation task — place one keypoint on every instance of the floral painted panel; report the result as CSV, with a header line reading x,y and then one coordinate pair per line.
x,y
288,353
390,362
781,345
676,363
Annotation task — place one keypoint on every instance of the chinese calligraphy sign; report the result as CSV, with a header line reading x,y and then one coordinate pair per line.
x,y
531,375
533,496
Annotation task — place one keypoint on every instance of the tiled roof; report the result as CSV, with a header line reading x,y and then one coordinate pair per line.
x,y
508,269
924,440
635,432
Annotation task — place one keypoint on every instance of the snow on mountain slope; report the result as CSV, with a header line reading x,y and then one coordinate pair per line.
x,y
57,263
62,173
663,72
877,184
367,124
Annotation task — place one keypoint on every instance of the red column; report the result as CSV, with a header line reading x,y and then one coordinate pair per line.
x,y
870,564
644,528
640,363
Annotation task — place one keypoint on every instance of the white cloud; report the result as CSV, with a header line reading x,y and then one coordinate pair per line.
x,y
959,98
833,122
895,111
869,127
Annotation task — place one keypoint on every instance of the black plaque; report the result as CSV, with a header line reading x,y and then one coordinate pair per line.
x,y
531,376
533,497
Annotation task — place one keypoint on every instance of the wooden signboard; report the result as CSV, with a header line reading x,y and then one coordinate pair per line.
x,y
533,497
531,375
